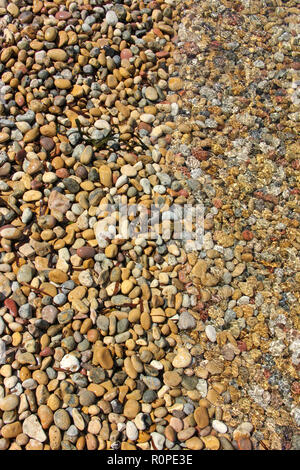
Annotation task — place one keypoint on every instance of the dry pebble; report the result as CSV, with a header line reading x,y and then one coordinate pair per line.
x,y
122,341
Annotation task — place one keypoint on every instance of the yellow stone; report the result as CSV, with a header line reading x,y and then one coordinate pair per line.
x,y
62,83
111,251
105,175
32,195
77,91
31,135
58,276
211,442
57,55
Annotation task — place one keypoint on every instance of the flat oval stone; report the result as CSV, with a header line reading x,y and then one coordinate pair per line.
x,y
62,419
86,252
63,15
11,233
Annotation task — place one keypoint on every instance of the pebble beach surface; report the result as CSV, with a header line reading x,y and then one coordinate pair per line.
x,y
140,343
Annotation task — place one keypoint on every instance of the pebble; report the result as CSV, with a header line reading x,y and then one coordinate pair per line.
x,y
182,359
158,440
33,428
131,431
62,419
219,426
9,403
70,362
211,333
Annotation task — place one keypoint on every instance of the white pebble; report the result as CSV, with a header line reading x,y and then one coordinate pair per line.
x,y
158,440
219,426
211,333
70,362
131,431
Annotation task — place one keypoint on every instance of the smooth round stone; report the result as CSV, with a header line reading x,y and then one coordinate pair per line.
x,y
25,273
26,17
175,83
153,383
201,417
60,299
111,18
131,408
149,396
58,276
62,419
10,233
62,83
86,156
219,426
158,440
87,398
102,124
29,384
131,431
151,93
32,196
9,403
49,313
63,15
147,118
211,442
111,251
50,34
129,171
125,54
47,143
172,378
86,252
10,382
102,323
211,333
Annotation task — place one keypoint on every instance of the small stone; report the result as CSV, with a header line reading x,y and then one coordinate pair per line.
x,y
194,443
131,408
158,440
10,431
58,276
182,359
172,378
151,93
131,431
175,83
58,202
219,426
70,362
105,174
111,251
201,417
186,321
103,357
9,403
211,442
62,419
211,333
111,18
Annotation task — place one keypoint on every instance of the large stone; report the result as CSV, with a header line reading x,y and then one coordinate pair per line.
x,y
201,417
32,427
